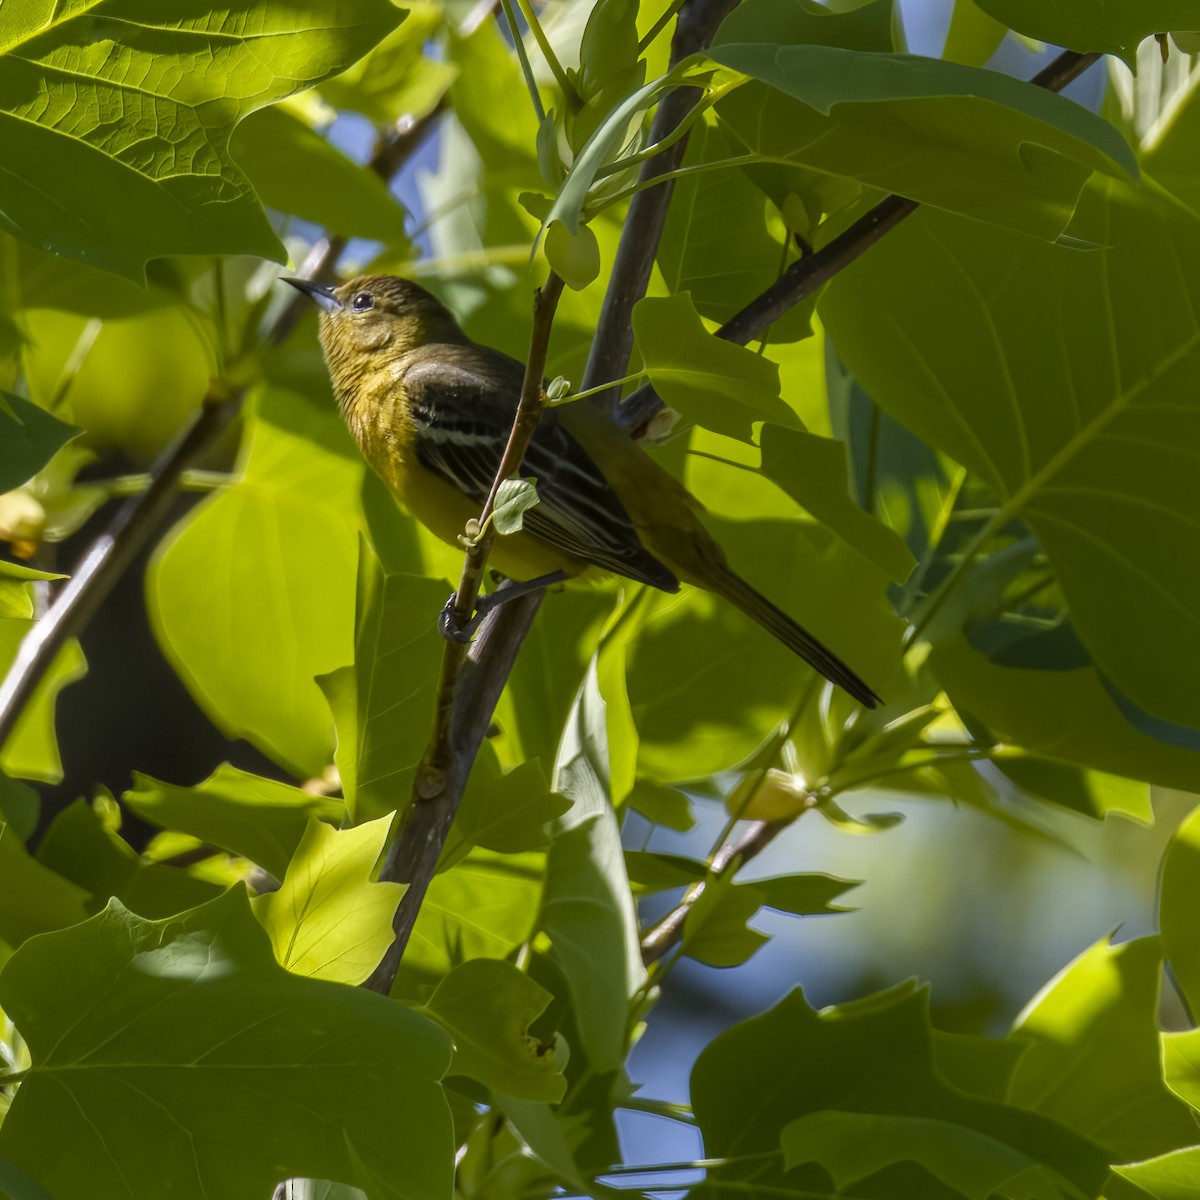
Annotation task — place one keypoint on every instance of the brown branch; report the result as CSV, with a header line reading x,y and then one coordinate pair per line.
x,y
461,716
810,273
647,215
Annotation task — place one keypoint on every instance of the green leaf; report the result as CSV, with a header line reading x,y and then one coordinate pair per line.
x,y
721,386
29,439
258,818
252,595
697,253
707,686
19,806
851,1146
1167,155
896,122
1095,1064
80,846
1100,26
808,895
962,338
329,920
233,1073
140,102
587,908
1093,793
296,170
506,812
1065,715
814,471
31,751
715,930
851,24
874,1057
487,1007
1171,1177
514,498
383,705
574,256
1178,903
483,907
33,898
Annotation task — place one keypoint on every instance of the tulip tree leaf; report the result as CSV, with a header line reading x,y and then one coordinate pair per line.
x,y
873,1058
1094,1062
896,122
1093,451
329,920
487,1006
1094,26
160,180
178,1058
253,595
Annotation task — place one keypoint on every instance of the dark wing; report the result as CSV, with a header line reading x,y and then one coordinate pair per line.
x,y
463,417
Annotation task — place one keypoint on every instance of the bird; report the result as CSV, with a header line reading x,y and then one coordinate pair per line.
x,y
431,411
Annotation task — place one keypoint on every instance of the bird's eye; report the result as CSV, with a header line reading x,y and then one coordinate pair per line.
x,y
362,302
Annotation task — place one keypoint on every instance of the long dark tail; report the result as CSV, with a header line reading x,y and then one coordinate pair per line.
x,y
794,636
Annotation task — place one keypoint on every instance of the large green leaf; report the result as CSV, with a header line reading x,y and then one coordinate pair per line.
x,y
330,919
487,1006
874,1057
587,906
1066,715
139,100
296,170
253,594
1170,1177
1094,1063
900,122
29,436
178,1058
261,819
1101,26
986,346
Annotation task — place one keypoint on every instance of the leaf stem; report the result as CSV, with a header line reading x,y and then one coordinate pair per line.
x,y
539,35
523,58
601,387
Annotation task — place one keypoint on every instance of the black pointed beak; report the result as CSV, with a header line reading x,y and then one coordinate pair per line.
x,y
319,293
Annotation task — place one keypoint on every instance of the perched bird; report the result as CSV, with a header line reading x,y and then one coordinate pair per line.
x,y
431,411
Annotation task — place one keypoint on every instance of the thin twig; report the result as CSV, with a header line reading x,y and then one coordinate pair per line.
x,y
458,728
664,935
809,274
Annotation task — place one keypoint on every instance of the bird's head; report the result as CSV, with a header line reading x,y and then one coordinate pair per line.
x,y
377,317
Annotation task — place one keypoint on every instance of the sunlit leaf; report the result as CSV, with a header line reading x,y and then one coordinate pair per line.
x,y
329,920
193,1061
29,436
159,179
